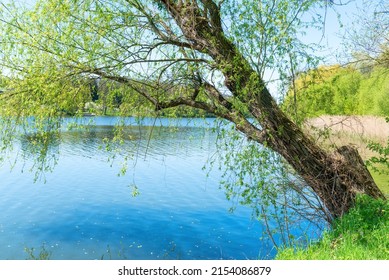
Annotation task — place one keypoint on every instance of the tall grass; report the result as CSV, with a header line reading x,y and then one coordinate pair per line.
x,y
335,131
361,234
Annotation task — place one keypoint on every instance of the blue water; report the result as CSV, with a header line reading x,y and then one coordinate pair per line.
x,y
82,209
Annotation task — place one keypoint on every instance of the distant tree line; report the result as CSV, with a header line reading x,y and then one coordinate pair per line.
x,y
336,90
113,98
105,97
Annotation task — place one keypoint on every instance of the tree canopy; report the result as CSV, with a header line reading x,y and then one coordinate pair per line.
x,y
55,46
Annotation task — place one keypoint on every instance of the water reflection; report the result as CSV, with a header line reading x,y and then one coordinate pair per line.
x,y
105,138
85,211
157,140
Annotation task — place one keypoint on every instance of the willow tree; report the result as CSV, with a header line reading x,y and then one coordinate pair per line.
x,y
219,52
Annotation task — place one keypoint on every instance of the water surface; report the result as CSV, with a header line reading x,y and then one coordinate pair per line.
x,y
84,210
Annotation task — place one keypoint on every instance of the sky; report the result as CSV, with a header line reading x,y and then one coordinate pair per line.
x,y
338,22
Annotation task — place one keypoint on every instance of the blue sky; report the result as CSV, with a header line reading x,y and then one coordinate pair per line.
x,y
338,23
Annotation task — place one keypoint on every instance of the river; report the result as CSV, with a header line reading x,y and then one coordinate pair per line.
x,y
165,206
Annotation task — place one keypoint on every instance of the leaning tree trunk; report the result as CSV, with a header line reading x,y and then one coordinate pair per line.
x,y
335,177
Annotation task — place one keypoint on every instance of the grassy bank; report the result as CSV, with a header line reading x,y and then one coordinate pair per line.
x,y
362,234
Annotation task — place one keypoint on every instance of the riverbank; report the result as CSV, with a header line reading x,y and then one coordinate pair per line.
x,y
358,131
361,234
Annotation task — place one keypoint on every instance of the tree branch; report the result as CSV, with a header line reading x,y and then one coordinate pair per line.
x,y
127,81
185,101
214,14
216,94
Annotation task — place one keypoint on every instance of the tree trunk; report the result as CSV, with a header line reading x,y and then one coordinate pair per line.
x,y
335,177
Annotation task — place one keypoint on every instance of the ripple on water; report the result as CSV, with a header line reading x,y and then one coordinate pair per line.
x,y
85,211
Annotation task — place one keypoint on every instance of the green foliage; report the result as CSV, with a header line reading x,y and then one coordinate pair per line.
x,y
381,179
360,234
373,94
268,32
339,91
134,190
55,52
52,51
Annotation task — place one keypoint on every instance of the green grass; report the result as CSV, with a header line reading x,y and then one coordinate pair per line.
x,y
361,234
382,181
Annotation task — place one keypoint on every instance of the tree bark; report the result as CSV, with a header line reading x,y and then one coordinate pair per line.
x,y
335,177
